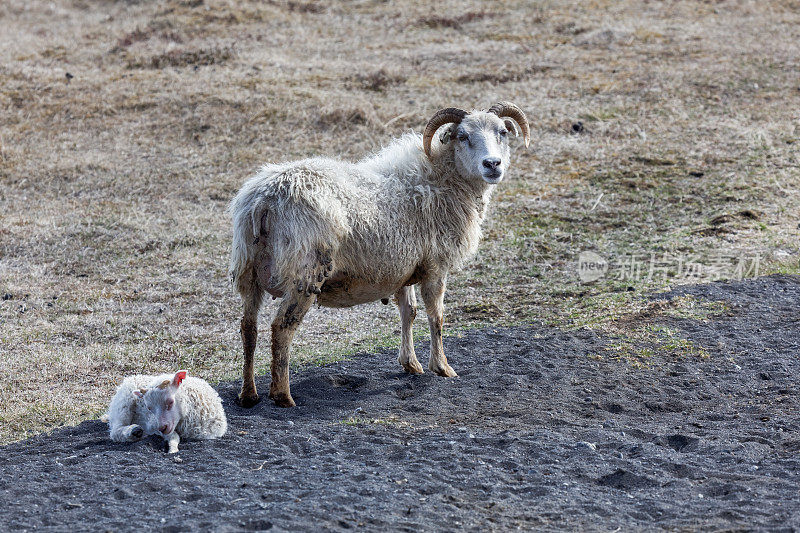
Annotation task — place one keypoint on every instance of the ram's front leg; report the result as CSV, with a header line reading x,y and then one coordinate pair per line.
x,y
432,290
292,310
407,303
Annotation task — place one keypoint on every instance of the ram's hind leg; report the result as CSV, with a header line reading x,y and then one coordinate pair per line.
x,y
251,297
290,313
407,303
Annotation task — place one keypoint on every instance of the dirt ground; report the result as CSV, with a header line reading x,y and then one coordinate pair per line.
x,y
537,432
665,141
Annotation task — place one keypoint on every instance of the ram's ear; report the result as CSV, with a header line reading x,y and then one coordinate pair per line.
x,y
511,126
447,134
180,375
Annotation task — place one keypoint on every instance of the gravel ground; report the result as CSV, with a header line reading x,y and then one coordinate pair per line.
x,y
534,433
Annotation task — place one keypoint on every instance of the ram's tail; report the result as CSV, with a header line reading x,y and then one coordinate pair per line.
x,y
290,219
247,210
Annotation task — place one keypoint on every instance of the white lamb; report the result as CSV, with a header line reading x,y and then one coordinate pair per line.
x,y
171,406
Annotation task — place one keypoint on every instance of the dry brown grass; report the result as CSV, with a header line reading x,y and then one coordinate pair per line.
x,y
114,179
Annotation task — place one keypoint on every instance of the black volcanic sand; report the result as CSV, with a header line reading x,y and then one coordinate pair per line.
x,y
533,434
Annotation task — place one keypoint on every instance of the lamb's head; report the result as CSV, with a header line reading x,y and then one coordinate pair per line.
x,y
480,138
163,412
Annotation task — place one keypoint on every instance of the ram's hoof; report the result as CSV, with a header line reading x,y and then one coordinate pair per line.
x,y
248,401
283,400
445,371
412,367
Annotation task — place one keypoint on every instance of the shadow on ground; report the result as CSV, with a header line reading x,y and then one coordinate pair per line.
x,y
534,433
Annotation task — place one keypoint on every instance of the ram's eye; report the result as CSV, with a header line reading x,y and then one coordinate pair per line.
x,y
503,133
463,137
169,405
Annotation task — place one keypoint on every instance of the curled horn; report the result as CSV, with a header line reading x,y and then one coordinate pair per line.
x,y
507,109
451,115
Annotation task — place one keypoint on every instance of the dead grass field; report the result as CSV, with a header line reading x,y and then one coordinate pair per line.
x,y
126,127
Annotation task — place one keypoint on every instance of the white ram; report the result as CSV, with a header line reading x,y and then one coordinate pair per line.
x,y
343,234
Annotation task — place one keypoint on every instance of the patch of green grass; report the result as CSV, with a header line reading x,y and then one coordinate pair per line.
x,y
594,310
790,268
649,345
690,307
340,349
669,341
382,339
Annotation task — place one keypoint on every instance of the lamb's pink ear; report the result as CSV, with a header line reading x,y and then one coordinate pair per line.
x,y
180,375
139,393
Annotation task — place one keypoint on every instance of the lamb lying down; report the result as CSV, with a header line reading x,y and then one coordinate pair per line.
x,y
171,406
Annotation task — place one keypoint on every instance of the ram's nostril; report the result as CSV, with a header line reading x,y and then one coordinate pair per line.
x,y
491,162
